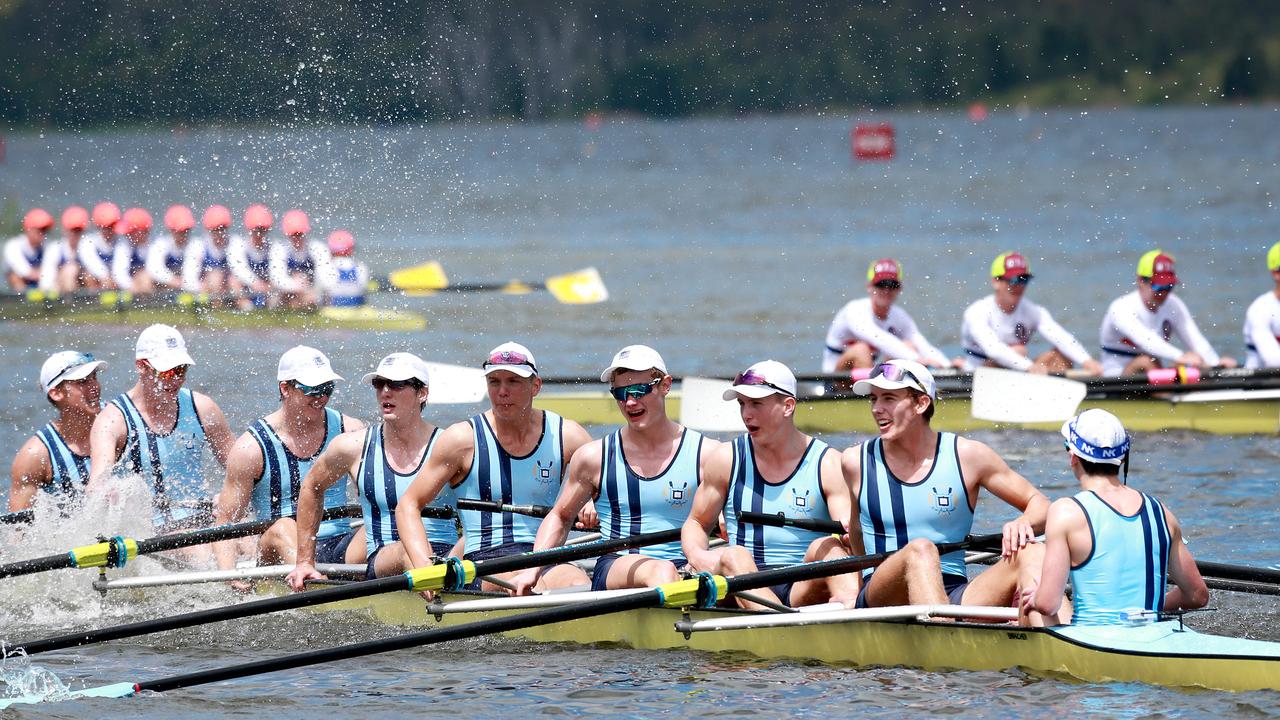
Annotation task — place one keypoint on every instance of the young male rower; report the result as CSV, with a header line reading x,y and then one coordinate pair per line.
x,y
98,248
383,459
24,254
160,430
1262,320
1137,327
213,268
512,453
62,270
56,458
776,469
269,461
873,326
1117,544
171,261
642,479
351,277
129,264
301,270
249,258
997,329
914,486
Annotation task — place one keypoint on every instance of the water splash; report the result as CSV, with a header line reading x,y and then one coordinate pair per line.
x,y
21,679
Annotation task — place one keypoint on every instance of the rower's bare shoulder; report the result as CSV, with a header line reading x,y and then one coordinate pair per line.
x,y
851,460
245,451
574,435
31,462
351,424
977,456
456,441
588,457
1065,512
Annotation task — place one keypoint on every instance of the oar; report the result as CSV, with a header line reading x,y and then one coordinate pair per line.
x,y
537,511
780,520
334,571
452,574
19,517
581,287
1010,396
704,590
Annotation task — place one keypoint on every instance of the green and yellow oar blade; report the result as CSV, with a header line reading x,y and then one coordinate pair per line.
x,y
425,277
583,287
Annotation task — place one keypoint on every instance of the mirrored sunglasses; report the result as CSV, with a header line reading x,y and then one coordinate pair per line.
x,y
321,390
170,374
80,360
508,357
889,285
1019,280
637,390
896,373
751,377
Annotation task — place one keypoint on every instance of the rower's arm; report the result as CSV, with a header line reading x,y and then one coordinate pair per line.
x,y
977,320
216,429
573,438
1187,329
708,501
244,467
333,464
580,487
990,471
448,464
1189,591
1144,338
1046,597
1062,339
31,469
1257,329
106,440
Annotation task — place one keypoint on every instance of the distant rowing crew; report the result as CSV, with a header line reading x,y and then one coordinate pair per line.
x,y
901,493
121,255
1136,333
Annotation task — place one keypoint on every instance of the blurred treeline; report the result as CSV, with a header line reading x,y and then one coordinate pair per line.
x,y
91,63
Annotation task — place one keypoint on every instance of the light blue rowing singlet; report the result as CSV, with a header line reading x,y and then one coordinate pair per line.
x,y
69,472
497,476
173,461
275,491
798,496
381,487
936,508
1126,568
630,504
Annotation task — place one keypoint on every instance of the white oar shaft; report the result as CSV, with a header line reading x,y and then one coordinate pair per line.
x,y
208,576
525,602
902,612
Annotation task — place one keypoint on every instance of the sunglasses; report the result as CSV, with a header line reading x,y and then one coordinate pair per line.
x,y
83,359
509,357
1019,280
751,377
1159,288
381,384
637,390
172,373
889,285
321,390
896,373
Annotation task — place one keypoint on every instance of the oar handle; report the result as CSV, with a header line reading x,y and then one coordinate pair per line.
x,y
228,532
570,553
780,520
497,507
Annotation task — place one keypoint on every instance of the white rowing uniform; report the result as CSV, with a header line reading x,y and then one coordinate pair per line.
x,y
127,260
21,258
208,257
247,262
1129,329
95,256
350,284
988,332
313,261
1262,332
167,262
857,321
56,255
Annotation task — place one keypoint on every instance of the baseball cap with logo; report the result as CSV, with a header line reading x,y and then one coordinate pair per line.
x,y
634,357
1158,266
897,374
295,222
306,365
106,214
163,347
885,269
765,378
512,357
1097,436
75,218
400,366
1010,265
67,365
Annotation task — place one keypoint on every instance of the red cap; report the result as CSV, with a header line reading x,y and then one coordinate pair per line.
x,y
884,269
257,216
295,222
217,216
1159,267
135,219
1010,265
179,217
105,213
75,218
120,227
341,243
37,219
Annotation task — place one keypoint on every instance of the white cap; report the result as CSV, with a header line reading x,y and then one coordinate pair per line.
x,y
67,365
163,347
399,366
634,357
897,374
1097,436
306,365
513,357
761,380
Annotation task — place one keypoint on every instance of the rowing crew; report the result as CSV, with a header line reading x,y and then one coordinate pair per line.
x,y
1148,328
251,271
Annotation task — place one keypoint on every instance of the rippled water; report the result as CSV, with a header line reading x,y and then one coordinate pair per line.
x,y
722,242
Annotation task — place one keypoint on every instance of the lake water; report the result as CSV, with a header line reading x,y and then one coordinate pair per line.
x,y
722,242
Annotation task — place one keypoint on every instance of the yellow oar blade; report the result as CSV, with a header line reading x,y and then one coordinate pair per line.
x,y
427,276
578,288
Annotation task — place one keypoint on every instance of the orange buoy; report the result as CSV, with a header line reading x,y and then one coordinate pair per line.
x,y
873,141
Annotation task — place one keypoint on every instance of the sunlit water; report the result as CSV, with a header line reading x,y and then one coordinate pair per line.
x,y
722,242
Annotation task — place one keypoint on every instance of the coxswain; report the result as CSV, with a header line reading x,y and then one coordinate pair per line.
x,y
61,270
98,248
1262,320
173,261
914,486
773,468
872,327
640,479
512,453
24,254
129,264
1137,328
997,329
383,459
56,458
301,269
248,258
1116,544
159,431
351,277
212,267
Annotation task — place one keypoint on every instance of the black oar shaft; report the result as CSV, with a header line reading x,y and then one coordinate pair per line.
x,y
570,553
497,507
779,520
1238,572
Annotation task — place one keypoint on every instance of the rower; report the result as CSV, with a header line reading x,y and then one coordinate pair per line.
x,y
171,261
56,458
160,430
212,267
1262,320
129,264
1137,328
248,259
773,468
24,254
998,327
512,453
60,268
269,461
383,459
99,246
301,270
1117,544
351,277
914,486
873,326
641,478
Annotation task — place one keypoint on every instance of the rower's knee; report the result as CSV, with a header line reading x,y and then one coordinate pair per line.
x,y
922,553
736,560
825,548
